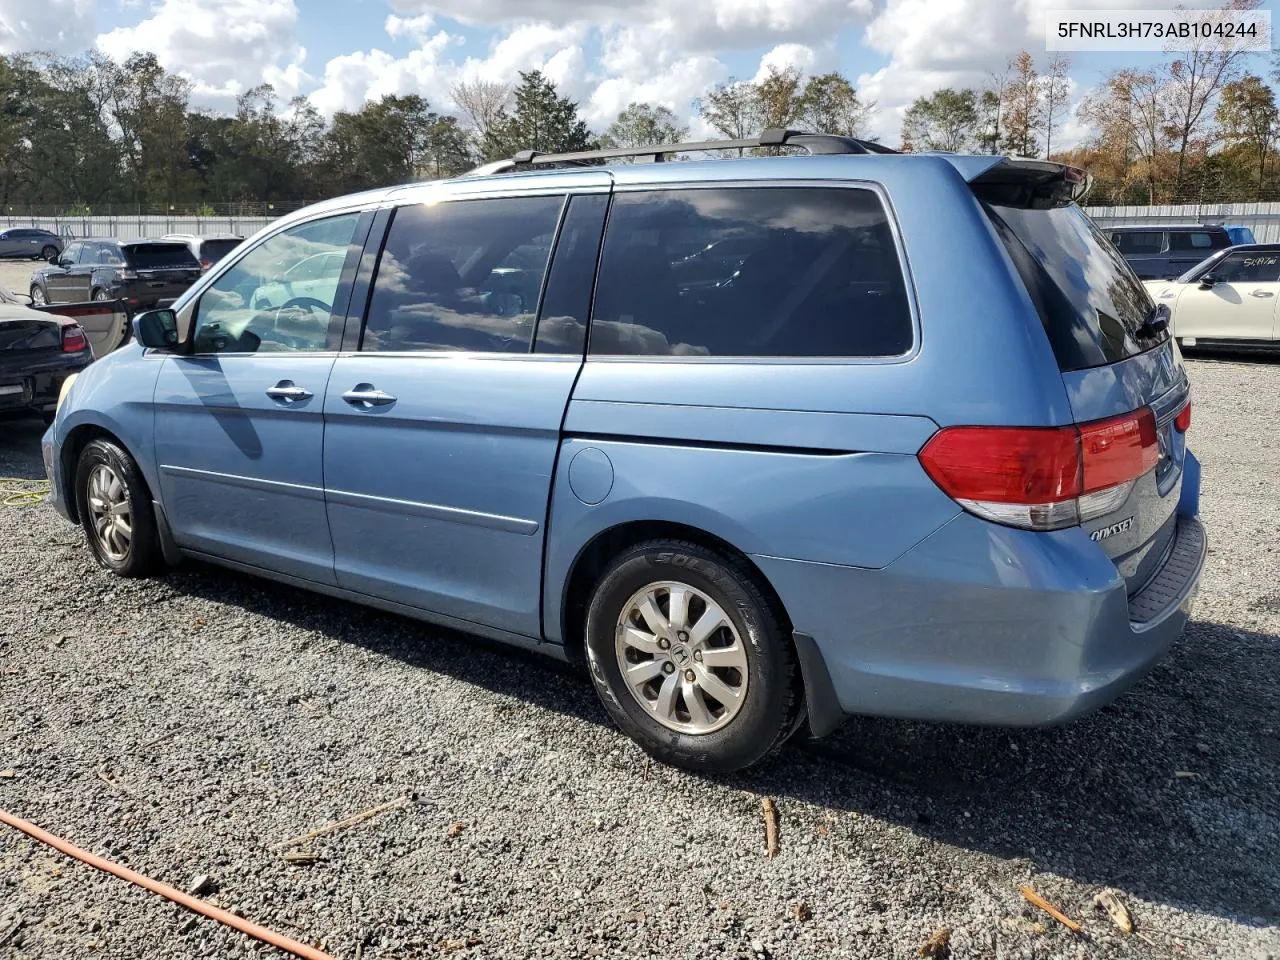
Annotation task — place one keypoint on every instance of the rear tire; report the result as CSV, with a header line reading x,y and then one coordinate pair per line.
x,y
38,296
114,505
713,700
98,294
48,252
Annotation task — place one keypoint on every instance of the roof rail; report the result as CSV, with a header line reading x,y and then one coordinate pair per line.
x,y
813,143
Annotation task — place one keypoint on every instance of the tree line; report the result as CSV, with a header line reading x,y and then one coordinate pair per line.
x,y
84,133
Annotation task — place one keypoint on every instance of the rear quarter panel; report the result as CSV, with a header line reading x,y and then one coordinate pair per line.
x,y
812,459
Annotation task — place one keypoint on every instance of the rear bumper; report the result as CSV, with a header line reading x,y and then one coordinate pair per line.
x,y
984,624
34,387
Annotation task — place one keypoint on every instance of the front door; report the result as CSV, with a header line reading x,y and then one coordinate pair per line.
x,y
239,421
1241,303
57,278
442,432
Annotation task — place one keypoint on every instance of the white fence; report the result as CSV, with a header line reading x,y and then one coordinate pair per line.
x,y
1262,218
136,227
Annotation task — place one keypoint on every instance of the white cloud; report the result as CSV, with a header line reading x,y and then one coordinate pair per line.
x,y
223,48
51,26
416,28
705,25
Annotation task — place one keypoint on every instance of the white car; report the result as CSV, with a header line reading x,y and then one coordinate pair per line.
x,y
1231,299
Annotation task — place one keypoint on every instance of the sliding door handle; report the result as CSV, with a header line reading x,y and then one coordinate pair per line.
x,y
287,391
366,396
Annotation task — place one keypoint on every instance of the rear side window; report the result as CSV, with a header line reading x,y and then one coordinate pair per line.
x,y
1144,242
215,250
462,276
1093,306
154,256
750,272
1199,240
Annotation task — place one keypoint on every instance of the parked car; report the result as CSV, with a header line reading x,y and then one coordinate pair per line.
x,y
141,273
1227,301
38,351
208,250
1239,235
30,242
1164,252
923,457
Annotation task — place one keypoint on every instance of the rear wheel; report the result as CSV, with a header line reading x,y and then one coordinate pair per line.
x,y
38,297
49,252
114,505
690,659
98,294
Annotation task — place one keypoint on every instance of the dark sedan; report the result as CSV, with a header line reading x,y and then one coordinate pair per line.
x,y
143,274
30,242
38,351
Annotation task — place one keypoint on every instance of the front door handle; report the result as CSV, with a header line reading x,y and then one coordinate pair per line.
x,y
287,391
1261,293
366,396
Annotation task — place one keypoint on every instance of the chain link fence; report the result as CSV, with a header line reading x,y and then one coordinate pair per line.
x,y
133,222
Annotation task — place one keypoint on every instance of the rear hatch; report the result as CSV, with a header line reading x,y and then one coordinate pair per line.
x,y
163,270
1128,391
25,341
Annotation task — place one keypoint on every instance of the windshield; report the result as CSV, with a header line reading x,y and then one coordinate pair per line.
x,y
1093,306
153,255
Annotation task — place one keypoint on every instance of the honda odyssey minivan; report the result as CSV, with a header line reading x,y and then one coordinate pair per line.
x,y
764,442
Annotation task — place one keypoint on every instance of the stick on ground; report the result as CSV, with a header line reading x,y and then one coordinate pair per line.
x,y
1036,900
770,810
350,821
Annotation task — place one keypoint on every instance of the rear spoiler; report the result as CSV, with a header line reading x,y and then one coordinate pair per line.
x,y
1022,181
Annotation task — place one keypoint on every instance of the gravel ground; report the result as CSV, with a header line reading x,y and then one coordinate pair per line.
x,y
182,726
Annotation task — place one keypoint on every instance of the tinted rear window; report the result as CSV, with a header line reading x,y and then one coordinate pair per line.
x,y
1146,241
1205,240
750,272
215,250
158,255
1091,303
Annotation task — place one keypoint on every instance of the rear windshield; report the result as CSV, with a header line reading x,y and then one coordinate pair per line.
x,y
1093,306
155,255
215,250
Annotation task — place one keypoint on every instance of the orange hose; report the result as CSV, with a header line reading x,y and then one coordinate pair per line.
x,y
171,893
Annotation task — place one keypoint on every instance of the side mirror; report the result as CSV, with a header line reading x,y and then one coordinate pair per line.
x,y
1207,281
157,329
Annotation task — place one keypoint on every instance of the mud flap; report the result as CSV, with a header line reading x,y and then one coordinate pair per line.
x,y
823,706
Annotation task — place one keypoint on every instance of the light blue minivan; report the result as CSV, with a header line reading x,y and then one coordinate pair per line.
x,y
765,441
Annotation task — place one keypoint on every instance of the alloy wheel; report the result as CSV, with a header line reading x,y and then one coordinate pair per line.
x,y
109,511
681,657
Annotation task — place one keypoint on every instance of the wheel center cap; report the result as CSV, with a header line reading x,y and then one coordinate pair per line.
x,y
681,655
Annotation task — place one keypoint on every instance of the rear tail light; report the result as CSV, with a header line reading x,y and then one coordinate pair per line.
x,y
1043,478
73,338
128,273
206,264
1183,421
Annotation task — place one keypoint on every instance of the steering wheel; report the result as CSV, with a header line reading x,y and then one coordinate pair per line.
x,y
311,304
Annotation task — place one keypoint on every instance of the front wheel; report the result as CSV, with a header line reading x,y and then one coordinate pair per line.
x,y
114,505
99,294
690,659
38,298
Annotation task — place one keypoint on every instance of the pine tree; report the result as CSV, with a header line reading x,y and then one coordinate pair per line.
x,y
542,120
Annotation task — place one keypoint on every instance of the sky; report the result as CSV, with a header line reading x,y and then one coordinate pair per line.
x,y
604,54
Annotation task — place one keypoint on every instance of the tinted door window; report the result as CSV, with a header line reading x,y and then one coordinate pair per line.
x,y
1247,268
750,272
1144,242
566,305
462,276
1203,241
73,253
258,305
